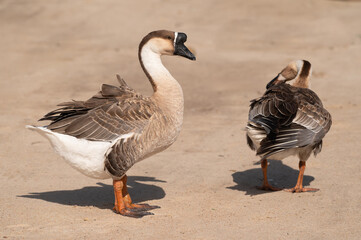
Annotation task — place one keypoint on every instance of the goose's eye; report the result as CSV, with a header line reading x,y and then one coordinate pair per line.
x,y
169,37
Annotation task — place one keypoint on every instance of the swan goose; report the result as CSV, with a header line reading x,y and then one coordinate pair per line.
x,y
106,135
288,120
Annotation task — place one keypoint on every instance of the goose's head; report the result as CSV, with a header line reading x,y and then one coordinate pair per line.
x,y
165,42
300,71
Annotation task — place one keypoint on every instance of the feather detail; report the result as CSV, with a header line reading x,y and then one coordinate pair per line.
x,y
112,112
290,117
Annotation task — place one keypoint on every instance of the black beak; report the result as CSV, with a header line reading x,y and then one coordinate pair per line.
x,y
180,49
272,82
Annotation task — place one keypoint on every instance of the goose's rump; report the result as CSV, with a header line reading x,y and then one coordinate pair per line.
x,y
85,156
287,118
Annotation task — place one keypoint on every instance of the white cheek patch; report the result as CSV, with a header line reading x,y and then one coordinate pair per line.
x,y
281,77
175,37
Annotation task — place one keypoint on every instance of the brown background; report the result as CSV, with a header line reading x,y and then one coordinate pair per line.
x,y
54,51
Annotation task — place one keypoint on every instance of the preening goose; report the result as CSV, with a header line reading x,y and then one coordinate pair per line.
x,y
288,120
107,134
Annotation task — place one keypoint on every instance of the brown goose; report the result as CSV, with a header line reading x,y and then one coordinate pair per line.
x,y
107,134
288,120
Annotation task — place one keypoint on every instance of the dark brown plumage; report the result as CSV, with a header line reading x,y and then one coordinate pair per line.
x,y
287,120
292,118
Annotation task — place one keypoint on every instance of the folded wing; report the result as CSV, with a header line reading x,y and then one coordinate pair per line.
x,y
291,117
112,112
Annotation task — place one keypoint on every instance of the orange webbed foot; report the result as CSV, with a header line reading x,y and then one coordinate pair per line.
x,y
131,212
301,189
266,186
123,203
141,207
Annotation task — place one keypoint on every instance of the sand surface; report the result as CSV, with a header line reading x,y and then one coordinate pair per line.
x,y
54,51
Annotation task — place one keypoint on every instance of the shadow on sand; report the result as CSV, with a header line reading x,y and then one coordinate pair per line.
x,y
279,175
102,196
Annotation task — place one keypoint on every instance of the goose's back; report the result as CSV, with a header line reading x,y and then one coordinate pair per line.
x,y
286,117
112,112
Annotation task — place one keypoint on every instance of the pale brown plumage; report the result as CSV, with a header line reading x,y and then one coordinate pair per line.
x,y
107,134
117,111
111,113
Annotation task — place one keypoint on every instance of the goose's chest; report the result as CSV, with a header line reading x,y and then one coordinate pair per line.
x,y
166,130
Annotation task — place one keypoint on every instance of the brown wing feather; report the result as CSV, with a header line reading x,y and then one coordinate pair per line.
x,y
275,108
295,118
312,116
112,112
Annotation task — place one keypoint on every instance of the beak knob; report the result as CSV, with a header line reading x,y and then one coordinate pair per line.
x,y
180,49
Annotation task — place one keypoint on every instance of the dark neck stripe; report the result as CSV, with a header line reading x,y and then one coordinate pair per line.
x,y
141,45
160,34
154,86
305,72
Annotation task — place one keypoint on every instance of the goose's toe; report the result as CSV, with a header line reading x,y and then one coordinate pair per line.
x,y
301,189
142,207
131,213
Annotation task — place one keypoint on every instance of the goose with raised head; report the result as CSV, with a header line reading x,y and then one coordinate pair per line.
x,y
288,120
106,135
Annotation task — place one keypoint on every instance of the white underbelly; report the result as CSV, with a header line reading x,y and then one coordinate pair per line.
x,y
85,156
284,154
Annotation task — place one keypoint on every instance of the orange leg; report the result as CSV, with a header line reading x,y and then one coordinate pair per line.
x,y
266,186
120,205
299,187
128,201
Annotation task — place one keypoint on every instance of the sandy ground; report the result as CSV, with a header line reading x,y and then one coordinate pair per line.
x,y
54,51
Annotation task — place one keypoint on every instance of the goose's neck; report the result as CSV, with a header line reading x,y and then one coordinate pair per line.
x,y
303,75
302,82
167,90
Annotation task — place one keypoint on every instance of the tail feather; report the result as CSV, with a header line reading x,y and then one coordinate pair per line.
x,y
41,130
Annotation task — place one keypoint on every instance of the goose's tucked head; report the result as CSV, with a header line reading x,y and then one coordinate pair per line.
x,y
165,42
300,71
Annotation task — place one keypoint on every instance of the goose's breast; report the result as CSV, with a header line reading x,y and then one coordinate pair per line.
x,y
161,133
